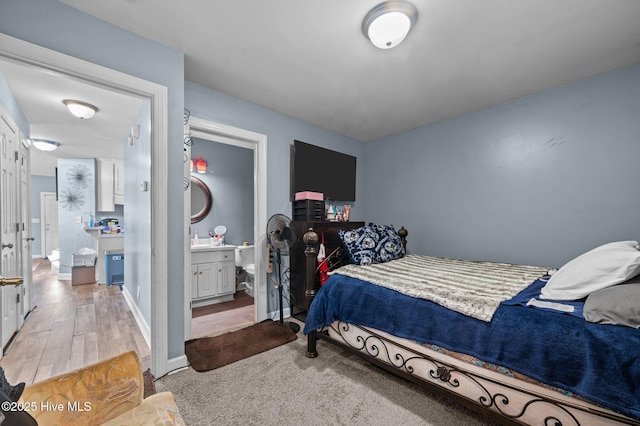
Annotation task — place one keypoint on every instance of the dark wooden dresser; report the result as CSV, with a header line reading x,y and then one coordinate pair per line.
x,y
297,300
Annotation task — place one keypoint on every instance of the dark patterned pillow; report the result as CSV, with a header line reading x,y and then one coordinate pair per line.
x,y
360,244
389,245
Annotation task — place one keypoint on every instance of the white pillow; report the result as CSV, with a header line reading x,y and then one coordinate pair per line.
x,y
602,267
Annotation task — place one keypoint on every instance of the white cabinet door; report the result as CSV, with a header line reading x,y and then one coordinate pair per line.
x,y
194,281
105,186
118,176
207,280
226,277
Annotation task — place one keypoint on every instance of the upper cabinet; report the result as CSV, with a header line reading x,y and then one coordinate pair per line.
x,y
118,181
110,184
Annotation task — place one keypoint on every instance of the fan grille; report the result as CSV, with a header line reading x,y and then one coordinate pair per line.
x,y
280,234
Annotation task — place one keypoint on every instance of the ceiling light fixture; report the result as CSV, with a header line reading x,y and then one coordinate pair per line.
x,y
45,145
387,24
80,109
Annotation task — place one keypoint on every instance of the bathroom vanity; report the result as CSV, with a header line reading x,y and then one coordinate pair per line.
x,y
213,274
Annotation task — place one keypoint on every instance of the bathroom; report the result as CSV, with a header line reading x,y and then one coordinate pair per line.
x,y
222,177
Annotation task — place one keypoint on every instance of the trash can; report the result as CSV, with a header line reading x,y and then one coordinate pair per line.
x,y
114,268
83,269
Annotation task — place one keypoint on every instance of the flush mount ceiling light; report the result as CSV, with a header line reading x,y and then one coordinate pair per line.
x,y
387,24
45,145
80,109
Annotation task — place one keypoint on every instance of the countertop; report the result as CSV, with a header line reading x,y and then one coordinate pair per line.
x,y
96,232
209,247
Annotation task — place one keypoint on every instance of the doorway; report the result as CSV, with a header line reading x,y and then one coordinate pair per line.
x,y
29,54
226,212
214,132
48,222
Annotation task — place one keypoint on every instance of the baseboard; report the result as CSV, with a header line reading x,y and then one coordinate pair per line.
x,y
142,324
286,313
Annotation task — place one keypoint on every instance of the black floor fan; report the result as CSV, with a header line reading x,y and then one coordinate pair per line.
x,y
281,238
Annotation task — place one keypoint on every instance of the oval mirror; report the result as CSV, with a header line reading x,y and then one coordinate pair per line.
x,y
201,200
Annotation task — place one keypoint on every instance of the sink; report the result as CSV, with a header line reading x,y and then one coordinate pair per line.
x,y
208,246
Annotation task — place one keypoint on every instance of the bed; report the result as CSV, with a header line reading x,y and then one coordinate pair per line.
x,y
518,363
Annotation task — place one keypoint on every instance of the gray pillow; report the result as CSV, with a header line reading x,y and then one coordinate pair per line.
x,y
618,304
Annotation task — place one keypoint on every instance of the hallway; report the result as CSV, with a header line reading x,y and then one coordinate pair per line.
x,y
70,327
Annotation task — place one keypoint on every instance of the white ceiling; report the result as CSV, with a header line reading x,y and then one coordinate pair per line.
x,y
40,93
309,59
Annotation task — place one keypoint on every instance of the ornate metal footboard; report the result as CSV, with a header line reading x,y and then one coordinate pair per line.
x,y
505,398
499,396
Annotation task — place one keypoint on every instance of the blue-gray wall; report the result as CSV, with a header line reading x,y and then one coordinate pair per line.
x,y
229,177
59,27
76,201
39,184
281,131
537,180
137,260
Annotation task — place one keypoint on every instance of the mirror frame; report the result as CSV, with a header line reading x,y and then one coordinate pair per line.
x,y
208,200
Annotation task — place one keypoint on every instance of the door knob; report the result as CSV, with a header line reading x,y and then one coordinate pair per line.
x,y
30,239
11,281
7,245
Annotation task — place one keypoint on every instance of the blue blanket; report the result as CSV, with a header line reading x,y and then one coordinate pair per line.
x,y
599,362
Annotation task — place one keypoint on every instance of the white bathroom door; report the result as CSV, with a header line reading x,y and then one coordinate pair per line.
x,y
49,222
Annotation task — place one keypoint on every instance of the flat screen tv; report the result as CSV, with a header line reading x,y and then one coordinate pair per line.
x,y
322,170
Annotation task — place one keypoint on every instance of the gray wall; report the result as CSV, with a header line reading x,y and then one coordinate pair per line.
x,y
39,184
137,260
76,200
61,28
537,181
281,131
230,179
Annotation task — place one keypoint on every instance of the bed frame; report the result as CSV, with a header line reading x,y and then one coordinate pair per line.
x,y
504,398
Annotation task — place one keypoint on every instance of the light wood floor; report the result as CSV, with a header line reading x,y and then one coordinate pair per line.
x,y
71,327
74,326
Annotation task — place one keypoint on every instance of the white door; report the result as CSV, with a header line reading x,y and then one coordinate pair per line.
x,y
25,229
9,266
49,220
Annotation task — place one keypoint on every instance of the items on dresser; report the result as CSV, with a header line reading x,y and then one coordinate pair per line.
x,y
297,258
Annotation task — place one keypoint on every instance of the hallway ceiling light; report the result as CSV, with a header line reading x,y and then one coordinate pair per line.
x,y
45,145
80,109
387,24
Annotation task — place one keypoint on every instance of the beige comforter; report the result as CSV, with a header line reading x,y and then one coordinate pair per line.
x,y
468,287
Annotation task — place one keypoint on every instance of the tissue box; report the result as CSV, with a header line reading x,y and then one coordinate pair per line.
x,y
308,195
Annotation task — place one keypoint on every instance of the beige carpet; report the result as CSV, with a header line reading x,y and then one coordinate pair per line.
x,y
282,387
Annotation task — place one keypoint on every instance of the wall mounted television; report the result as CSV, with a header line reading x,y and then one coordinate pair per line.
x,y
322,170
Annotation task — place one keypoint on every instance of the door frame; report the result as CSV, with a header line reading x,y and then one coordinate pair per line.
x,y
257,142
43,222
27,53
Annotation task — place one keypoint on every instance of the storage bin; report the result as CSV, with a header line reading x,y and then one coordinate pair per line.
x,y
83,275
114,269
